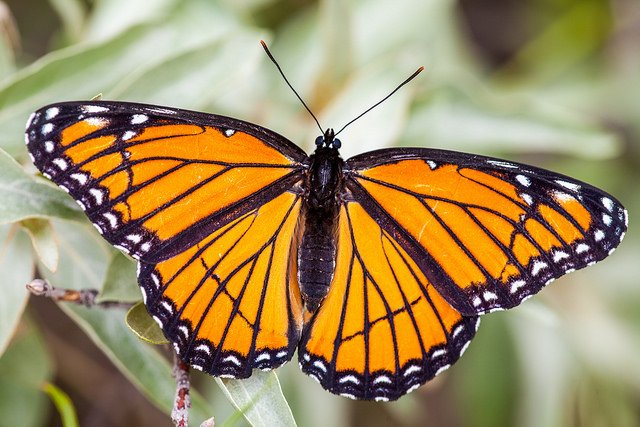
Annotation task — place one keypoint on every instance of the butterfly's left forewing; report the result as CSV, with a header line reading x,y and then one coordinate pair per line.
x,y
487,233
155,180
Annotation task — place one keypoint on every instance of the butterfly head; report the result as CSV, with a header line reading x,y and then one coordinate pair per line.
x,y
328,140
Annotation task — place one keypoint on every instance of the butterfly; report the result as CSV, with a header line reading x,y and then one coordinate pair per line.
x,y
375,268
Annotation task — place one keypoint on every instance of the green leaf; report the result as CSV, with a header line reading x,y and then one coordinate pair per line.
x,y
138,361
469,120
23,197
16,270
260,399
120,283
43,241
205,74
63,404
83,257
141,324
72,13
79,72
23,368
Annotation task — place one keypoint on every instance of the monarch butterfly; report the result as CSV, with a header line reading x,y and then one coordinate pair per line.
x,y
375,268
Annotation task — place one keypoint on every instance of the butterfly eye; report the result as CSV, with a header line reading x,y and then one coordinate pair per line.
x,y
337,143
319,141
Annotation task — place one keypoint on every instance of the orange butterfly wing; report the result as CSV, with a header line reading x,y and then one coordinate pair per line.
x,y
485,232
383,329
154,180
230,303
208,205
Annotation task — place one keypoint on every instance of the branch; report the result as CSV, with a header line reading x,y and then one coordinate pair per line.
x,y
86,297
182,403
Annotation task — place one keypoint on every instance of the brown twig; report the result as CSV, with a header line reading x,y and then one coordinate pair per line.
x,y
182,403
86,297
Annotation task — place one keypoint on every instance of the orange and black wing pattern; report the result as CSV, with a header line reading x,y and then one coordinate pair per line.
x,y
230,303
154,180
486,233
384,329
209,207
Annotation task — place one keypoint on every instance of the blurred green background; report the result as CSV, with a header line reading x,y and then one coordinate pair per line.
x,y
554,83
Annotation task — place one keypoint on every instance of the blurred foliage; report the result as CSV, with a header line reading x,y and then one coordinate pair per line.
x,y
552,83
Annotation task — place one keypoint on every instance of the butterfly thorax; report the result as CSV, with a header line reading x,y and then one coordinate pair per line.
x,y
317,252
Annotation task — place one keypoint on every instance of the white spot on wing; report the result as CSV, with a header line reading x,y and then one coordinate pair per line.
x,y
432,164
442,369
231,358
60,163
139,118
51,113
598,235
382,379
349,379
263,356
523,180
537,267
48,146
128,135
229,132
96,121
464,348
411,369
30,120
560,255
203,347
47,128
606,219
93,109
569,185
517,284
113,220
135,238
527,199
608,203
489,296
502,164
97,194
184,330
80,177
438,353
318,364
582,248
562,197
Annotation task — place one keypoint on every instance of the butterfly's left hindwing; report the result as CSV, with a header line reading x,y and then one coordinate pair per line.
x,y
155,180
230,303
487,233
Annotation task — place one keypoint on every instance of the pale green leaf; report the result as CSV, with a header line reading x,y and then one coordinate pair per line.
x,y
23,368
120,283
141,324
23,196
259,398
43,241
138,361
16,270
55,77
72,13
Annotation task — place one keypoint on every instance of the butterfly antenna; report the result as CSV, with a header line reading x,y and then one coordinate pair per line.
x,y
411,77
266,49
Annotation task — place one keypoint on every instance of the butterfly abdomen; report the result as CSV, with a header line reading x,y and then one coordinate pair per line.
x,y
317,252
